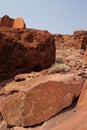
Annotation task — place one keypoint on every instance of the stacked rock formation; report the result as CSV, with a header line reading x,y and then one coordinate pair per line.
x,y
6,21
78,40
25,50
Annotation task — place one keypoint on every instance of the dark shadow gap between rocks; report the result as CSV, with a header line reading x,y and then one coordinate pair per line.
x,y
37,68
1,117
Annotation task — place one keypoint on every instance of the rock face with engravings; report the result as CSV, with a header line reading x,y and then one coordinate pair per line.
x,y
43,78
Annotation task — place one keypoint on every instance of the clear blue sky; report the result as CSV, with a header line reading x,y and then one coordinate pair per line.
x,y
56,16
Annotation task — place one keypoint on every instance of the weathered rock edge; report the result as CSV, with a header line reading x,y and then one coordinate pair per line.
x,y
37,104
25,50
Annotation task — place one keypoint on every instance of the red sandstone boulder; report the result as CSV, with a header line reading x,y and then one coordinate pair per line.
x,y
62,41
78,40
35,102
79,120
83,98
25,50
58,40
22,82
80,32
76,122
19,23
6,21
68,40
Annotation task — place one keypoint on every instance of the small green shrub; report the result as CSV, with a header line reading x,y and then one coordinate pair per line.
x,y
56,68
59,60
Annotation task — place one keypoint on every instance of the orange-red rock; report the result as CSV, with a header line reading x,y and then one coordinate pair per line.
x,y
77,40
80,39
80,32
85,57
58,40
68,40
3,125
8,22
63,40
25,50
19,128
82,102
32,81
19,23
37,103
79,120
76,122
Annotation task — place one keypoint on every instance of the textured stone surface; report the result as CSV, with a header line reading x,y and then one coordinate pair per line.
x,y
3,125
20,85
21,108
58,38
62,41
68,40
61,117
85,57
8,22
19,128
77,40
80,39
82,102
25,50
19,23
77,122
32,98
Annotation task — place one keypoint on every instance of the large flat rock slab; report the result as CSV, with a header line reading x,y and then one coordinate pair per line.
x,y
35,104
77,122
